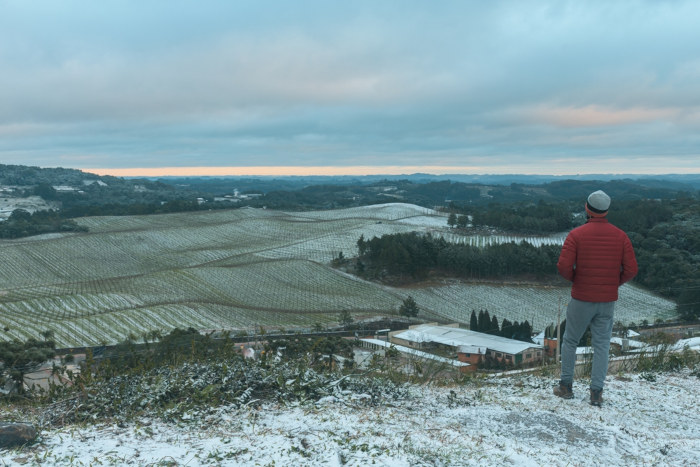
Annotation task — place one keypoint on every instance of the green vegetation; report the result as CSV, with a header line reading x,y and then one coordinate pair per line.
x,y
18,358
483,322
666,238
409,307
412,256
185,372
541,217
23,224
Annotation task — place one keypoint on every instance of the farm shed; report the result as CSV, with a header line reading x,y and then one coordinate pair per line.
x,y
470,346
623,345
377,344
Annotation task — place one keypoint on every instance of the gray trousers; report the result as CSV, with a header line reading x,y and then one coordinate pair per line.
x,y
579,315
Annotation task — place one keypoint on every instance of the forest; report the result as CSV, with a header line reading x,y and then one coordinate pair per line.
x,y
412,256
23,224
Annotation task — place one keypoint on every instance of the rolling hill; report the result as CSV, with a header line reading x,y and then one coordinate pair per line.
x,y
239,270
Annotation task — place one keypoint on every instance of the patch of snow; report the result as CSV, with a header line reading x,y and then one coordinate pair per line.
x,y
426,221
503,421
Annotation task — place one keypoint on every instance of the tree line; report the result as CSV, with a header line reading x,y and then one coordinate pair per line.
x,y
541,217
487,324
23,224
412,256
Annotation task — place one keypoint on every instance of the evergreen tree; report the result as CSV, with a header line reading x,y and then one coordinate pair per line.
x,y
452,219
481,321
20,358
409,307
515,331
525,332
473,322
462,221
345,318
361,245
494,329
506,329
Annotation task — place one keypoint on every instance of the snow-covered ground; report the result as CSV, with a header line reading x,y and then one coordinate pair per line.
x,y
645,420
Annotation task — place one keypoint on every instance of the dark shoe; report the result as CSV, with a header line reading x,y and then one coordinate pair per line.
x,y
563,390
597,397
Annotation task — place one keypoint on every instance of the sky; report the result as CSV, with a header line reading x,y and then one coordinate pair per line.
x,y
308,87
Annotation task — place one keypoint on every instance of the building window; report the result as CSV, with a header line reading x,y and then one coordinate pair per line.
x,y
499,354
528,356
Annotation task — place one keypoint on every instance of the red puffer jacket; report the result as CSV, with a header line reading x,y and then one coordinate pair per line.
x,y
598,258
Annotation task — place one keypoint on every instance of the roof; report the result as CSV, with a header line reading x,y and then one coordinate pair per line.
x,y
456,337
539,338
693,344
631,343
417,353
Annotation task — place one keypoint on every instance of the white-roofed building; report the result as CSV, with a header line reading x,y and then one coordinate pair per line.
x,y
469,346
623,344
377,344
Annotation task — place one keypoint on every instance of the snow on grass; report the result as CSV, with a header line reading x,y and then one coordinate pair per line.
x,y
497,239
539,305
426,221
507,421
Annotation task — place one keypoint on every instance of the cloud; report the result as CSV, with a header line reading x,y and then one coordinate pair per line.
x,y
594,115
396,83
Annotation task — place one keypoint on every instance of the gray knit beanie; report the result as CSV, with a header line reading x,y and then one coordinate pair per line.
x,y
598,202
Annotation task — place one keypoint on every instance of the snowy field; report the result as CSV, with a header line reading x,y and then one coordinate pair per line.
x,y
508,421
241,269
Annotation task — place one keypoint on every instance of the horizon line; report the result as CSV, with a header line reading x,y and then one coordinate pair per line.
x,y
358,170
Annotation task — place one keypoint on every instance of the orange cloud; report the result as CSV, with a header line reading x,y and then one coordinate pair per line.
x,y
594,115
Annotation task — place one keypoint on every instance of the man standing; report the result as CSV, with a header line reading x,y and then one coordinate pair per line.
x,y
598,258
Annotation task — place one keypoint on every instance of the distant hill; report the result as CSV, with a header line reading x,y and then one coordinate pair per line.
x,y
22,175
676,182
328,192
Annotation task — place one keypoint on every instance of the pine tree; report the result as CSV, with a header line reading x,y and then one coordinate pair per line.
x,y
516,331
462,221
487,322
452,219
362,245
345,318
506,329
409,307
473,322
494,329
526,331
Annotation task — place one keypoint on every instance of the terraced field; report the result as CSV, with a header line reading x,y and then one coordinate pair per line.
x,y
238,270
